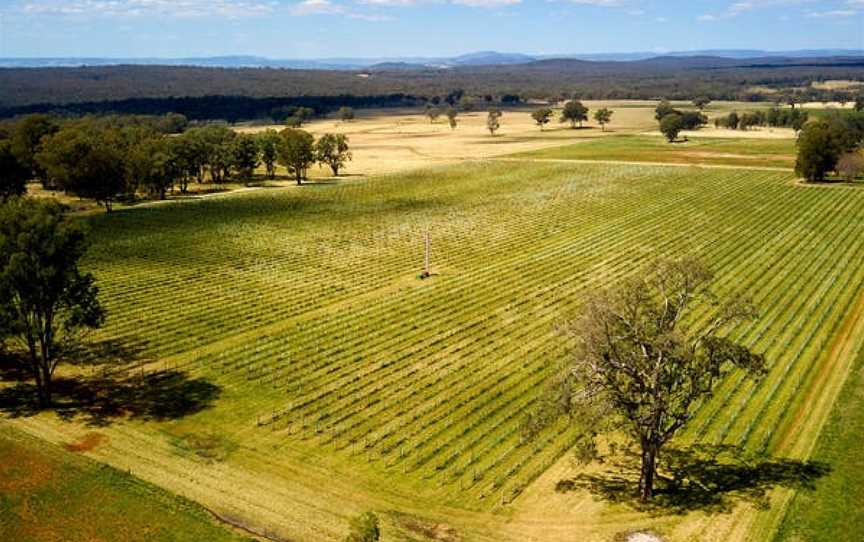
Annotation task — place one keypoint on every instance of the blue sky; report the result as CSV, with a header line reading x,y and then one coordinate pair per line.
x,y
388,28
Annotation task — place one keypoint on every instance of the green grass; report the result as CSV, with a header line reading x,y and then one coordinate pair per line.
x,y
302,305
47,493
308,298
834,511
701,150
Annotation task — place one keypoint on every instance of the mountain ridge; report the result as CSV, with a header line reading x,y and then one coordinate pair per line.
x,y
479,58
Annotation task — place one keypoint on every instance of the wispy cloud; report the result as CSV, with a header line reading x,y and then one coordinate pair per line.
x,y
135,8
486,3
833,13
738,8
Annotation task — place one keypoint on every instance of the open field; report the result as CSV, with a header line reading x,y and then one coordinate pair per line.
x,y
387,142
833,511
777,153
291,370
41,486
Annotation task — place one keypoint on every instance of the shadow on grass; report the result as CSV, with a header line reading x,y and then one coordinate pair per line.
x,y
112,390
708,478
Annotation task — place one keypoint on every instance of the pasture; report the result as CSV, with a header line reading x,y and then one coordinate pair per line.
x,y
717,151
396,141
41,485
289,369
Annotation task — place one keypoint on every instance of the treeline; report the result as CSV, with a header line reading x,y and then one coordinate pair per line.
x,y
118,158
237,94
774,117
229,108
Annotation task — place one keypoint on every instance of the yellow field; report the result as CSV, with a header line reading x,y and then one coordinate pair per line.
x,y
388,141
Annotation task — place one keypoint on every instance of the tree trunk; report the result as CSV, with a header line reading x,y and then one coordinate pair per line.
x,y
45,398
649,467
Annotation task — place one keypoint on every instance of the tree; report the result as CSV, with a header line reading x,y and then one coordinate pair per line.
x,y
493,120
542,116
301,116
466,103
364,528
296,152
819,148
48,302
603,116
154,166
670,126
432,112
190,150
332,150
692,120
663,108
268,145
452,113
574,112
89,162
732,121
217,147
26,142
850,165
13,174
637,366
346,114
701,102
246,156
859,103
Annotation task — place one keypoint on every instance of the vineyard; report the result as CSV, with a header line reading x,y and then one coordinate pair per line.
x,y
304,306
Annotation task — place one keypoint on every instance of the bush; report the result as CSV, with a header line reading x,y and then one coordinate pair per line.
x,y
364,528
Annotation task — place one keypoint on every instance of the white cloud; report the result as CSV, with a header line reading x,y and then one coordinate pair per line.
x,y
601,3
486,3
134,8
833,13
745,6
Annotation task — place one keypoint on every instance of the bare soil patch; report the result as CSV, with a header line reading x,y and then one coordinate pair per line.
x,y
88,442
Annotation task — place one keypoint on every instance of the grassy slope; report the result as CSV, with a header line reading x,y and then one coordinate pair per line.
x,y
47,493
709,151
834,511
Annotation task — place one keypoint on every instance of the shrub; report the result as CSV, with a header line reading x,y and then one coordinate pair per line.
x,y
364,528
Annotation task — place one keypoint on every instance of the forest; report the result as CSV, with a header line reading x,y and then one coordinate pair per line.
x,y
251,93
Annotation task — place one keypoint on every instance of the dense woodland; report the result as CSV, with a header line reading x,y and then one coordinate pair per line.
x,y
249,93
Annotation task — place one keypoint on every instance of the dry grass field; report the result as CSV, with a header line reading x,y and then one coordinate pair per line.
x,y
388,141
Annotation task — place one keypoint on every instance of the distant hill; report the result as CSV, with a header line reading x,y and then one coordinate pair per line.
x,y
482,58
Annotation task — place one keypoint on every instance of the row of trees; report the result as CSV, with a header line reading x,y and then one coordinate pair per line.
x,y
109,160
774,117
574,111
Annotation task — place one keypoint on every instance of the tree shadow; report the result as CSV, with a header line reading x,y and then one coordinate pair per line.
x,y
712,479
113,389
